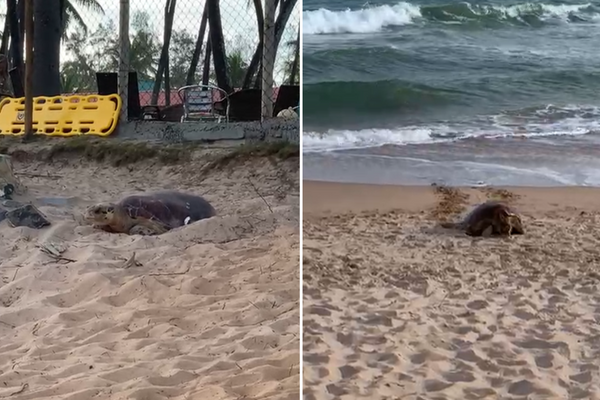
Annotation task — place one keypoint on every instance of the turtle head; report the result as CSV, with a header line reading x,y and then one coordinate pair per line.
x,y
516,224
510,223
100,214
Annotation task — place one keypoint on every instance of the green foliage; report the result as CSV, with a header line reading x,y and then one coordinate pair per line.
x,y
292,58
236,68
99,51
118,152
182,46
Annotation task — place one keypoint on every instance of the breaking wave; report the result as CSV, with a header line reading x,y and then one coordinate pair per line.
x,y
378,18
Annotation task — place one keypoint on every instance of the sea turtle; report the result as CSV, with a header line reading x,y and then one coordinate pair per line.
x,y
149,214
494,215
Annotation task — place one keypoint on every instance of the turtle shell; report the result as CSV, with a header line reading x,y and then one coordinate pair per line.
x,y
170,208
486,212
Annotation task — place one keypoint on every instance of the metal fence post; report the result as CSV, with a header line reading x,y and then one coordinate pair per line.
x,y
124,58
28,70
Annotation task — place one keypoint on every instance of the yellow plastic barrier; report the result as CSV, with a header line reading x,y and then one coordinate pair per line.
x,y
62,115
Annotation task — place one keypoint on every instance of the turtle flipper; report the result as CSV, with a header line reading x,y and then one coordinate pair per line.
x,y
148,228
142,230
478,228
451,225
105,228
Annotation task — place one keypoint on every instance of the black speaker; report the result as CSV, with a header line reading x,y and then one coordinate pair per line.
x,y
17,82
108,83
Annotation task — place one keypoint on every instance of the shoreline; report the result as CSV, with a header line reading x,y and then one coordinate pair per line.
x,y
321,197
543,162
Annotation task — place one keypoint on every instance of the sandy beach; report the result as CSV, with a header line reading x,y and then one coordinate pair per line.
x,y
207,311
396,307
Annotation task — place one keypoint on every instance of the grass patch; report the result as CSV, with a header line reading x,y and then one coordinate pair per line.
x,y
119,152
281,150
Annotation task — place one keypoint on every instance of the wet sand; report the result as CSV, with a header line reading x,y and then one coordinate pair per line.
x,y
396,307
207,311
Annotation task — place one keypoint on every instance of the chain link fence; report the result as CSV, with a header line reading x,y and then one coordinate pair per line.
x,y
188,59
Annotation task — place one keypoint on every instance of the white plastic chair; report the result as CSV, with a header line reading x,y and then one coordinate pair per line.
x,y
198,103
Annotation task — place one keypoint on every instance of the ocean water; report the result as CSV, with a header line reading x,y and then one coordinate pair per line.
x,y
494,92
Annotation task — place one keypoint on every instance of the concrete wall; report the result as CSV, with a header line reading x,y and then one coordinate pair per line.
x,y
177,132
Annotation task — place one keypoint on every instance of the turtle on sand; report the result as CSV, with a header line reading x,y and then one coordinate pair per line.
x,y
149,214
494,215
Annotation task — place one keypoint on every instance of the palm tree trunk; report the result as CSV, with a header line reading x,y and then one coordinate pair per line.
x,y
164,55
63,18
268,60
282,19
4,59
189,80
296,62
218,45
15,41
46,42
285,10
167,84
21,24
260,21
206,68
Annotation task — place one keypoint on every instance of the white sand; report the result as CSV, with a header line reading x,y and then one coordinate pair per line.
x,y
395,308
210,311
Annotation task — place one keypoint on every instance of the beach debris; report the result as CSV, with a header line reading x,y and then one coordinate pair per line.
x,y
7,176
7,191
28,216
131,262
55,251
451,201
23,388
52,249
259,195
479,184
500,194
12,204
287,113
30,175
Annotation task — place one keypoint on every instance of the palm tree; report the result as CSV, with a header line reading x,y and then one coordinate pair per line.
x,y
236,68
71,17
52,20
198,48
163,62
285,10
46,42
142,52
99,51
291,66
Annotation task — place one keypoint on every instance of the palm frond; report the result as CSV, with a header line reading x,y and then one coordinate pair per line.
x,y
72,15
92,5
